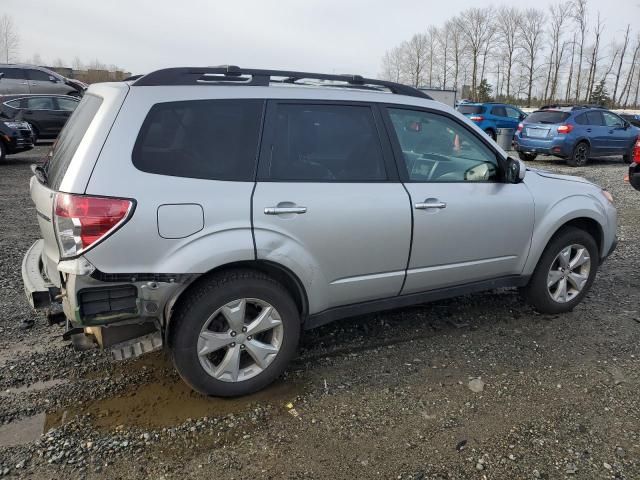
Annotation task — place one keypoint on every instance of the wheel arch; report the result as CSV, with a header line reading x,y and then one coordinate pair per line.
x,y
278,272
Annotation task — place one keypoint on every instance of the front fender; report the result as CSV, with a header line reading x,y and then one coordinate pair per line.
x,y
551,218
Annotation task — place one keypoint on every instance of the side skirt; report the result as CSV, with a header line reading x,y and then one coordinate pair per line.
x,y
337,313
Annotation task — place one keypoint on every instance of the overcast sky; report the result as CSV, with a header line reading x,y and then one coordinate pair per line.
x,y
338,36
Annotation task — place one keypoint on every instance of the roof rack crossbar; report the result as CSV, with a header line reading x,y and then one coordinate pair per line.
x,y
232,75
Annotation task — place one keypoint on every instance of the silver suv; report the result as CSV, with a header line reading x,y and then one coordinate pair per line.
x,y
219,212
21,79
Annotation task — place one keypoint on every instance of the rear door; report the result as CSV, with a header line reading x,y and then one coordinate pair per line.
x,y
64,108
328,204
469,226
13,80
500,116
598,133
41,112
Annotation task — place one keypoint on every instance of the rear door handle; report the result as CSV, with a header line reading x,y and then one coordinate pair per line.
x,y
284,210
430,203
589,130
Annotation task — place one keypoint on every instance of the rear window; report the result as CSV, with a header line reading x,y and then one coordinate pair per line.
x,y
547,116
70,138
470,109
207,139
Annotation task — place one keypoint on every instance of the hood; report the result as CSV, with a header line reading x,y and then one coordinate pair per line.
x,y
557,176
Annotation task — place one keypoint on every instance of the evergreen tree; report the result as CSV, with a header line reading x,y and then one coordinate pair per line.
x,y
599,95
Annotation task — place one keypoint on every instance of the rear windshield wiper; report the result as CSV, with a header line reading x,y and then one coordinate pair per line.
x,y
40,173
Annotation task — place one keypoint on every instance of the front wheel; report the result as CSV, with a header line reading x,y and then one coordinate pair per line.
x,y
527,157
580,155
565,272
234,334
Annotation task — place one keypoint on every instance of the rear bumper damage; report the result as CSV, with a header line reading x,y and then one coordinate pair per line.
x,y
125,313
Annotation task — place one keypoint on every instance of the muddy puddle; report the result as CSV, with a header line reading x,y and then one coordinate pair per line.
x,y
22,431
166,403
34,387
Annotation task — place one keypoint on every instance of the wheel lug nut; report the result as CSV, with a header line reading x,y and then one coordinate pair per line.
x,y
241,347
244,329
249,337
233,334
233,344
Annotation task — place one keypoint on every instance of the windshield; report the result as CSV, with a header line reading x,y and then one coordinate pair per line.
x,y
547,116
470,109
70,137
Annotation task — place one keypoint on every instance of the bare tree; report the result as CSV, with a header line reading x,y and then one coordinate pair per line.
x,y
570,75
632,69
579,8
454,28
593,62
476,31
557,16
415,58
9,39
625,44
531,31
507,26
392,64
443,40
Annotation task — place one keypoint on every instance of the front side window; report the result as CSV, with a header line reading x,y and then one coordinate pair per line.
x,y
207,139
324,143
438,149
513,113
38,75
611,120
67,104
40,103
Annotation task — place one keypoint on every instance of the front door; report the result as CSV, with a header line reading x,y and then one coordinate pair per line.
x,y
327,205
41,112
617,134
469,226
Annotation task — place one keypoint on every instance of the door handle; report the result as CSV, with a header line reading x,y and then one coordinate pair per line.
x,y
589,130
426,205
284,210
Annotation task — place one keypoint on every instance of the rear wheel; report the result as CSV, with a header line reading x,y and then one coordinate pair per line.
x,y
527,157
565,272
234,334
580,155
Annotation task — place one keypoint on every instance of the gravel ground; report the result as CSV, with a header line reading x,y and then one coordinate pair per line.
x,y
475,387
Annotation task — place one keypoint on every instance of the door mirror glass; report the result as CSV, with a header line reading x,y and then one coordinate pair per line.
x,y
516,170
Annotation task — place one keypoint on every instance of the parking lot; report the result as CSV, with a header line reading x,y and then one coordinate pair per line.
x,y
475,387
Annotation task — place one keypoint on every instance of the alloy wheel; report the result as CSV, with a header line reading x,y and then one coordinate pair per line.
x,y
240,340
580,155
569,273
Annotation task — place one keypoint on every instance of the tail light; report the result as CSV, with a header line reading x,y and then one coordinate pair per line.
x,y
636,151
565,128
520,127
82,221
476,118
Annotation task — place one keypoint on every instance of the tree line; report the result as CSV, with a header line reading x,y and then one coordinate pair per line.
x,y
530,56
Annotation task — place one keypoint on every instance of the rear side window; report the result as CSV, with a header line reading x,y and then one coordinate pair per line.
x,y
70,138
14,103
470,109
582,119
499,111
547,116
324,143
594,118
40,103
13,73
207,139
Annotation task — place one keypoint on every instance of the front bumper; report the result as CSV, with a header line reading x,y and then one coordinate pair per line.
x,y
22,140
39,290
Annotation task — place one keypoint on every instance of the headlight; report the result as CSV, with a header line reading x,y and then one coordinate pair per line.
x,y
15,124
608,196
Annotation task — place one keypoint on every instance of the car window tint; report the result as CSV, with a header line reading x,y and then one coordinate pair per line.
x,y
438,149
40,103
513,113
611,120
470,109
325,143
547,116
594,118
12,73
499,111
582,119
67,104
38,75
208,139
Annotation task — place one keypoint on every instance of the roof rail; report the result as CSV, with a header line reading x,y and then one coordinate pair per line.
x,y
232,75
571,106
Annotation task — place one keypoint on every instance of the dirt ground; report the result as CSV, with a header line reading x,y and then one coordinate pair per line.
x,y
478,387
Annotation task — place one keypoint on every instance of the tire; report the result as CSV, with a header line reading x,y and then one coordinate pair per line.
x,y
580,155
36,134
491,133
627,157
540,294
207,310
527,157
3,151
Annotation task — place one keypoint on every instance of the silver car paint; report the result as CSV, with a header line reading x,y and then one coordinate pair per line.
x,y
353,242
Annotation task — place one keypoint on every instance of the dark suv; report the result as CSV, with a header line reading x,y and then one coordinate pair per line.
x,y
15,136
575,133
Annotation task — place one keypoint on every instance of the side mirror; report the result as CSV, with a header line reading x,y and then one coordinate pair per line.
x,y
53,79
516,170
1,76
